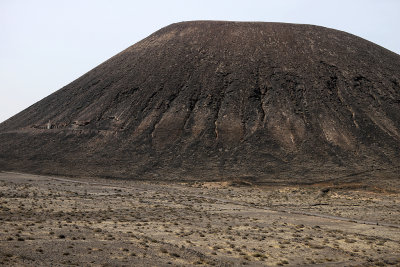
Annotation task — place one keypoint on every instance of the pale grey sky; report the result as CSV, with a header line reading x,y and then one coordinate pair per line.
x,y
46,44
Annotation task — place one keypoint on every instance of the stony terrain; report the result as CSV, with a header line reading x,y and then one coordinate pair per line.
x,y
211,143
58,221
220,100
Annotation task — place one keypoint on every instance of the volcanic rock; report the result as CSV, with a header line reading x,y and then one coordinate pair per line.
x,y
205,100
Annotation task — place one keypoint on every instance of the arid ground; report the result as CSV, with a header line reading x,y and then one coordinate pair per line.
x,y
57,221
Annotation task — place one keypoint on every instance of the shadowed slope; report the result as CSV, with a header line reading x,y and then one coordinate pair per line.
x,y
217,100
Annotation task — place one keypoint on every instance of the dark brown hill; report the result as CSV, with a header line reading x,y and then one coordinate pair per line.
x,y
220,100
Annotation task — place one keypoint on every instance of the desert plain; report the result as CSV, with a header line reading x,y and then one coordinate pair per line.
x,y
61,221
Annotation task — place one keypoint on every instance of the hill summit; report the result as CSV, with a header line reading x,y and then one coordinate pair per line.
x,y
266,102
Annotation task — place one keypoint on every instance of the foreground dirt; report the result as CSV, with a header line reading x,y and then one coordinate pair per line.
x,y
55,221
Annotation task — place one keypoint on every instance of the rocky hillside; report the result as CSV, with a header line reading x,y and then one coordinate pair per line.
x,y
266,102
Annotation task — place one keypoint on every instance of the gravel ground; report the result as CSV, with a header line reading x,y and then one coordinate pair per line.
x,y
57,221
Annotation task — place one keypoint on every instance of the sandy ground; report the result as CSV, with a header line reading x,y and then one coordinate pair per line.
x,y
56,221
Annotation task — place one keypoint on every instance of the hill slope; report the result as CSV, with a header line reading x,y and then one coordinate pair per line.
x,y
220,100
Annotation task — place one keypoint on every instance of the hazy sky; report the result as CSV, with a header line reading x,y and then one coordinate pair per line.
x,y
46,44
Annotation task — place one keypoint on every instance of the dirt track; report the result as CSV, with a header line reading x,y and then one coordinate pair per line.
x,y
62,221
